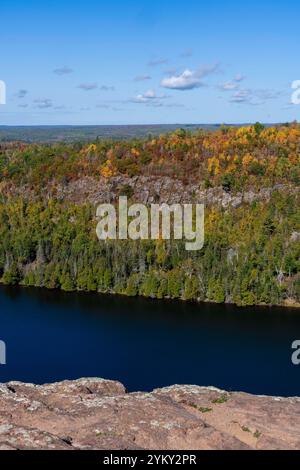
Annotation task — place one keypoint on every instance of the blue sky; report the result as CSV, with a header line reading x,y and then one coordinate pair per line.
x,y
142,62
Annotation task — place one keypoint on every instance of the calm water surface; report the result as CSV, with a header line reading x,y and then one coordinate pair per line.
x,y
51,335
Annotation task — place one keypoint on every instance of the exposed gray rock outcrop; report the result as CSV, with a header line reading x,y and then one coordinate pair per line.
x,y
150,189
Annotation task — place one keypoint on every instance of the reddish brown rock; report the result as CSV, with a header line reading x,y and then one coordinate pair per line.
x,y
99,414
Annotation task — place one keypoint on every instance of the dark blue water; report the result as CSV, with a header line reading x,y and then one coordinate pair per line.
x,y
52,336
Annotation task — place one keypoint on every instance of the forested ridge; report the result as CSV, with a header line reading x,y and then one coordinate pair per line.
x,y
252,250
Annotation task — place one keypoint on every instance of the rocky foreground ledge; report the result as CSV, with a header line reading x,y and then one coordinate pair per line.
x,y
99,414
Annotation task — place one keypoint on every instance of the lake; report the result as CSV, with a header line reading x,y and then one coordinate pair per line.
x,y
52,336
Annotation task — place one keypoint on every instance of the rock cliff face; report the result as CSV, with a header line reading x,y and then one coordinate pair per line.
x,y
99,414
153,189
147,190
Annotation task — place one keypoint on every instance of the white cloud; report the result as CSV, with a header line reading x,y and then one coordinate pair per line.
x,y
88,86
155,62
255,97
141,78
63,70
174,105
43,103
228,86
186,53
147,97
107,88
189,79
232,84
102,106
21,94
241,96
265,94
239,78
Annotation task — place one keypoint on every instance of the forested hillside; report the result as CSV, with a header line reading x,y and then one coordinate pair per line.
x,y
248,177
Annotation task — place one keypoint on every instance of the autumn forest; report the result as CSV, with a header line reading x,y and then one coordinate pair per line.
x,y
252,229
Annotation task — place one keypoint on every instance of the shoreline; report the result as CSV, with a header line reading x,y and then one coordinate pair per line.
x,y
288,305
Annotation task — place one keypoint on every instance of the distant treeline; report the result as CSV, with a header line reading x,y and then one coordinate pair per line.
x,y
89,133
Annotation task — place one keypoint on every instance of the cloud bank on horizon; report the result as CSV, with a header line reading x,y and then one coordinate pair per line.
x,y
125,64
